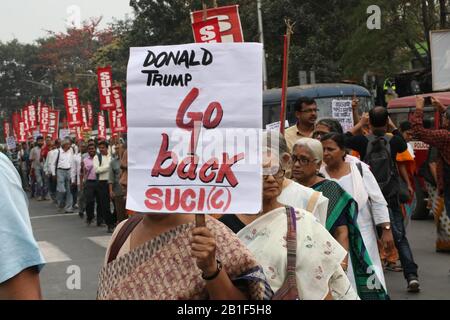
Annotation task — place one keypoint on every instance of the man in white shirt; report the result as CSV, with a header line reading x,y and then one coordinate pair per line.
x,y
75,172
50,163
61,169
101,166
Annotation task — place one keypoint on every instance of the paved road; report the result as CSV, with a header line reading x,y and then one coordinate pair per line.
x,y
66,241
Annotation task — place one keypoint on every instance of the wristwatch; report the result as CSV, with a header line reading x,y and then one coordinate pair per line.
x,y
388,227
215,274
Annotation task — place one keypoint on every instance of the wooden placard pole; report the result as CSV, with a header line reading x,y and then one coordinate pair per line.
x,y
284,85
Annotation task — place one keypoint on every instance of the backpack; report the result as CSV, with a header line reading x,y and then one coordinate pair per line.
x,y
379,158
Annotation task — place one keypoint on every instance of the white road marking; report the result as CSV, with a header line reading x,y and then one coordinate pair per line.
x,y
52,253
102,241
54,216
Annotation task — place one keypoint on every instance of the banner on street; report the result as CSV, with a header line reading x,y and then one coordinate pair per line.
x,y
194,121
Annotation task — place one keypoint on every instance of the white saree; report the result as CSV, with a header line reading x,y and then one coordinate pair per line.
x,y
319,255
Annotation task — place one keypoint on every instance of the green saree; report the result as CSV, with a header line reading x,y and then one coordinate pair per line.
x,y
341,203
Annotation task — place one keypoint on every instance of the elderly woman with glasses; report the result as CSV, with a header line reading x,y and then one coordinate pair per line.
x,y
300,258
307,157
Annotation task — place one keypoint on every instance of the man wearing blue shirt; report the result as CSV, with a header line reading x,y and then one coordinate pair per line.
x,y
20,258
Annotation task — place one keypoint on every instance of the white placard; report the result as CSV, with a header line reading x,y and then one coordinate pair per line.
x,y
342,111
220,85
440,59
64,133
275,126
11,142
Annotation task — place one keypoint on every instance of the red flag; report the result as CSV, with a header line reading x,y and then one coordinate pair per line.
x,y
6,129
22,135
90,114
84,116
15,123
229,22
73,107
25,119
53,124
104,88
32,117
39,105
112,114
207,31
44,119
101,126
120,124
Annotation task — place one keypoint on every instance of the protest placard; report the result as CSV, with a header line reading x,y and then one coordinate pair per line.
x,y
73,107
275,126
64,133
207,31
104,76
194,120
11,143
229,22
342,111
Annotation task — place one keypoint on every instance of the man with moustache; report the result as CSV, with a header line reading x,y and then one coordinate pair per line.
x,y
306,113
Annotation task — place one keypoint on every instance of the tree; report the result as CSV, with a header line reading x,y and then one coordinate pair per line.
x,y
404,36
67,57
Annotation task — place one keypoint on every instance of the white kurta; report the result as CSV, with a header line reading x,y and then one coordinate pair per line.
x,y
319,255
370,213
298,196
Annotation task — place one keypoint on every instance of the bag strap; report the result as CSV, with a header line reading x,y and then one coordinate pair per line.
x,y
57,161
291,244
359,166
313,201
123,235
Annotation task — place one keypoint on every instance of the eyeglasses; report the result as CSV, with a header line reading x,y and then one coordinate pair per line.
x,y
302,160
279,175
315,110
318,134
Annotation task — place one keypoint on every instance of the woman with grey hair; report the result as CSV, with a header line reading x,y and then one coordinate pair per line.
x,y
293,193
341,221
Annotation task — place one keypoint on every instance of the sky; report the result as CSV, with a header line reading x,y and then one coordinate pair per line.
x,y
28,20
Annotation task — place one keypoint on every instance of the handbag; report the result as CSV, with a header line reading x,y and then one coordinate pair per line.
x,y
289,289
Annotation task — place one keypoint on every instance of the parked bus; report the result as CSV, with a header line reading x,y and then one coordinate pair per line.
x,y
323,94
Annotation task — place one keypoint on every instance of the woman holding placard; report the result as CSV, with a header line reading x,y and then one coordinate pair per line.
x,y
166,257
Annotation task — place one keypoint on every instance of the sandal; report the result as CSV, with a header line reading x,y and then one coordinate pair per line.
x,y
393,267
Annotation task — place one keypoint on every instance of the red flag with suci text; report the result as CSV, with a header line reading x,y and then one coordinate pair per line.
x,y
207,31
32,117
53,124
104,88
73,107
84,116
44,119
101,126
22,134
90,114
229,22
15,123
120,124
